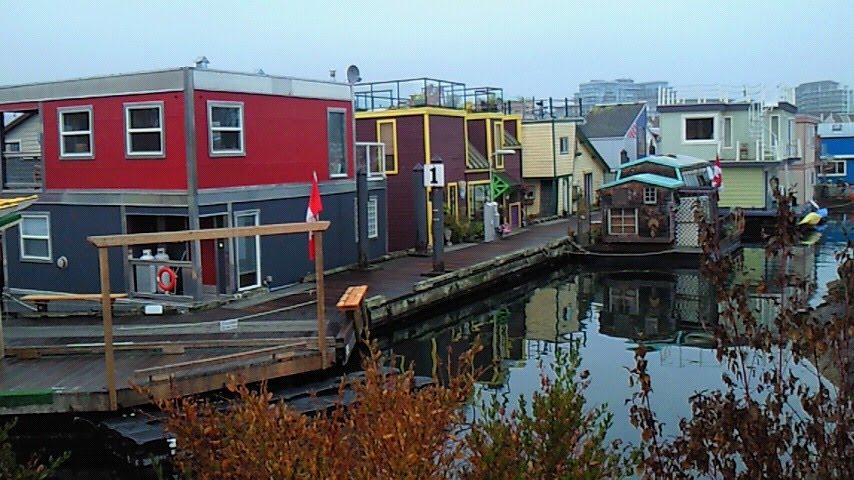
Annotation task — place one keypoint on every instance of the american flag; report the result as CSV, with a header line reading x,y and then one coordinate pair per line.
x,y
633,132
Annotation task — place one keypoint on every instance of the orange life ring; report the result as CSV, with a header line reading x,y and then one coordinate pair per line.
x,y
168,285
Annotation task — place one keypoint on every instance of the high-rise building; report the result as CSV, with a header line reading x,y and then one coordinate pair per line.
x,y
621,90
824,98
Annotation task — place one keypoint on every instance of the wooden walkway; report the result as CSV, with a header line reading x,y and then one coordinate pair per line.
x,y
243,335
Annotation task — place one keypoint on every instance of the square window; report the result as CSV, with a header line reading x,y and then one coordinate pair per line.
x,y
622,221
35,236
144,129
75,132
650,195
699,129
12,146
225,129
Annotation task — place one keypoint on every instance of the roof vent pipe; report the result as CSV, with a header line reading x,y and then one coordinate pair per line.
x,y
202,62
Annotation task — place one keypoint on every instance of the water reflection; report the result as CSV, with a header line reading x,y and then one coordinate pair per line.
x,y
609,311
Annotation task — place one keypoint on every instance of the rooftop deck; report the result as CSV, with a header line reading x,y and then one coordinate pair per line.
x,y
427,92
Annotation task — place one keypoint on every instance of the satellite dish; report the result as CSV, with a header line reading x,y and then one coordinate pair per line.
x,y
353,74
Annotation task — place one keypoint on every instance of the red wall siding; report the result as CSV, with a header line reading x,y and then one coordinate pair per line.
x,y
285,141
111,169
19,107
513,163
401,205
366,130
477,135
448,140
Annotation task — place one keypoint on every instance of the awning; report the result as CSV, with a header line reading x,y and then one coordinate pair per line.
x,y
9,208
475,160
510,141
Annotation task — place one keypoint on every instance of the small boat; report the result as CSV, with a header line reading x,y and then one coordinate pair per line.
x,y
810,220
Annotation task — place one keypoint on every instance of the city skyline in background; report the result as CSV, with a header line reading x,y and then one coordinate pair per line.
x,y
545,49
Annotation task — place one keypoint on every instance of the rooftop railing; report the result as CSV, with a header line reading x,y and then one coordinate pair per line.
x,y
426,92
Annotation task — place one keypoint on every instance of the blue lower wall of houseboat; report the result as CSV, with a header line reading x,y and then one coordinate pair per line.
x,y
69,227
284,258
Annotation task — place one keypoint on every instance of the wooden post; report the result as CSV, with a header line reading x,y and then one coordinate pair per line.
x,y
321,297
107,312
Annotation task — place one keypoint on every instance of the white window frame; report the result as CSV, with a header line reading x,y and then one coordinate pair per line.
x,y
258,272
130,131
373,217
6,142
774,137
697,116
330,111
844,162
650,199
610,226
727,139
22,238
563,145
241,129
60,112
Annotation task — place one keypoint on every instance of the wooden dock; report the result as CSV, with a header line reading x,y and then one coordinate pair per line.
x,y
57,364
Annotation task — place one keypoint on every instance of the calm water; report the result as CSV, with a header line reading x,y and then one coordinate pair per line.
x,y
608,311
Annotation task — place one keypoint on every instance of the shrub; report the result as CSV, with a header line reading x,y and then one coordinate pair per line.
x,y
765,422
34,469
556,436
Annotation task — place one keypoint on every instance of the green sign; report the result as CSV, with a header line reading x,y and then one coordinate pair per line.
x,y
499,186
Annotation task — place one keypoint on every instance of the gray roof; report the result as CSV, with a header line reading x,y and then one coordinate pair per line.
x,y
607,121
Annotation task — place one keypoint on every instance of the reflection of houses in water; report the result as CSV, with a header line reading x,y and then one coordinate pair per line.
x,y
655,305
753,268
499,330
552,312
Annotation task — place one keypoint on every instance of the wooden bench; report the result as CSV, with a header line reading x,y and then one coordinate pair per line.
x,y
42,301
352,304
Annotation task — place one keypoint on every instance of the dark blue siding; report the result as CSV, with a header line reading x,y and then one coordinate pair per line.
x,y
840,147
69,227
285,257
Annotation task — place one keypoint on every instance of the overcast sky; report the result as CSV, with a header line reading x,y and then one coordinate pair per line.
x,y
529,47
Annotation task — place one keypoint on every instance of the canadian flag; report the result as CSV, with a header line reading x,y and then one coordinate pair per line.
x,y
718,175
312,213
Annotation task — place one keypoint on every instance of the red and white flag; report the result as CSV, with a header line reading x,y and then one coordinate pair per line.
x,y
718,175
312,213
633,132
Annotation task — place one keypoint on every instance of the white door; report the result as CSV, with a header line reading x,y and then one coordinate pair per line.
x,y
248,252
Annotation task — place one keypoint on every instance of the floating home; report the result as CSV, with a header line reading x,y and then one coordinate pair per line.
x,y
652,206
177,149
422,120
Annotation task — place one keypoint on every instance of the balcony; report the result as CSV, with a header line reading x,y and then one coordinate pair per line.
x,y
21,170
426,92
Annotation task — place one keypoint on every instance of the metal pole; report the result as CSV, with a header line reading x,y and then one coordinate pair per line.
x,y
192,180
362,212
491,159
438,229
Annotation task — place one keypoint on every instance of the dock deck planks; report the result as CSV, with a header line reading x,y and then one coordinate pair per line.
x,y
79,380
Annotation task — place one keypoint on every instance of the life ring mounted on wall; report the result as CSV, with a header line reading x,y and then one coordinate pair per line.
x,y
166,278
